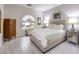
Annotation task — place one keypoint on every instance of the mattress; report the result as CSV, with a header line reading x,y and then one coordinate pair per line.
x,y
45,36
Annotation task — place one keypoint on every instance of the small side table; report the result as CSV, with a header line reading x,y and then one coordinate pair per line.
x,y
73,37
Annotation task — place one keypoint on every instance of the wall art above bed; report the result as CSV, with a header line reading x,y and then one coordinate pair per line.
x,y
57,15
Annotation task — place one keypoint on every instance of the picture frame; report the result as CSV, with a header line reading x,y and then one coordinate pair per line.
x,y
38,20
57,15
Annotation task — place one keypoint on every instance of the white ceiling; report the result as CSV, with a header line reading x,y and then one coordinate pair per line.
x,y
41,7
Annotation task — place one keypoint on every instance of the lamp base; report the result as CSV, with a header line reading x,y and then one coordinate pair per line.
x,y
72,28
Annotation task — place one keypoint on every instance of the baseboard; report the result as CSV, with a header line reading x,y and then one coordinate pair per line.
x,y
20,36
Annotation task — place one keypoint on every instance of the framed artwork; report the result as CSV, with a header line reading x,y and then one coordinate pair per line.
x,y
38,20
57,15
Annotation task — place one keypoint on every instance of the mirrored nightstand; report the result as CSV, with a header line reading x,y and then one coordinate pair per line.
x,y
73,37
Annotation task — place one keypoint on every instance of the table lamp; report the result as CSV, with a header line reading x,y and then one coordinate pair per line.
x,y
73,21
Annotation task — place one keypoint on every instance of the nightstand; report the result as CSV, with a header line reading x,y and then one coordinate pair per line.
x,y
73,37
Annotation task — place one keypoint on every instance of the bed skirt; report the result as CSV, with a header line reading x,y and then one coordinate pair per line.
x,y
50,44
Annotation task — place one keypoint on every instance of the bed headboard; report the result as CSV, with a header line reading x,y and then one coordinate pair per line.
x,y
58,22
63,22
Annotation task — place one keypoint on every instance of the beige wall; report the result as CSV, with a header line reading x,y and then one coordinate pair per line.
x,y
67,11
61,8
18,12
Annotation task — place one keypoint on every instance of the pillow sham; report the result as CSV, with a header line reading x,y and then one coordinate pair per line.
x,y
56,27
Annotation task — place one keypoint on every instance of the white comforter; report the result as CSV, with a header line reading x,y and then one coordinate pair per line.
x,y
45,35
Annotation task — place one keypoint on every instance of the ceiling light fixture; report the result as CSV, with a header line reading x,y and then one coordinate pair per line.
x,y
29,5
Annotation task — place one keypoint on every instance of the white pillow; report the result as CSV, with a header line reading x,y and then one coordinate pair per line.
x,y
51,26
56,27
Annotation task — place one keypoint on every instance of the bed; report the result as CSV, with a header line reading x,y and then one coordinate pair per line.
x,y
47,38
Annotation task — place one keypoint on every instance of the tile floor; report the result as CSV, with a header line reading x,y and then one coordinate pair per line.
x,y
23,45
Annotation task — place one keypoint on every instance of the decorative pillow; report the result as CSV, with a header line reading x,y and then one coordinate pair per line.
x,y
51,26
56,27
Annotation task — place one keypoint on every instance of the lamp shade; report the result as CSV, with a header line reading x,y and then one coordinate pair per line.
x,y
73,21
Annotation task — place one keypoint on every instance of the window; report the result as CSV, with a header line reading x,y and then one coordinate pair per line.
x,y
28,21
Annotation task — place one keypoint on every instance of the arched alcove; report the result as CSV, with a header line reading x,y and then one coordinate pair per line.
x,y
28,22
